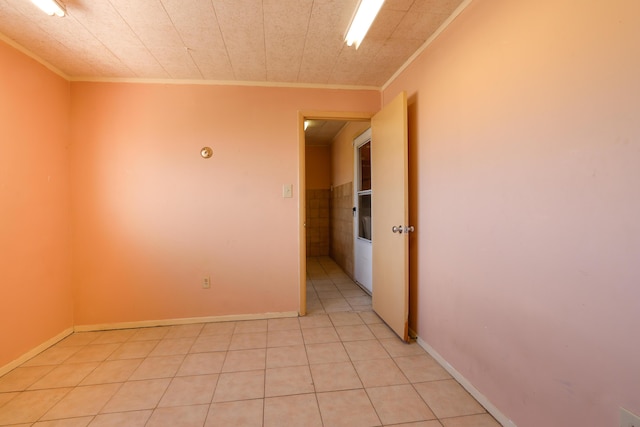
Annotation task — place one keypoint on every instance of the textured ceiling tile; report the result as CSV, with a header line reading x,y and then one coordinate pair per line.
x,y
196,24
398,48
330,19
241,23
27,26
374,78
212,67
249,73
435,6
345,78
80,68
80,43
255,40
317,74
389,59
385,24
351,62
402,5
28,11
285,29
149,21
281,65
152,25
69,64
286,75
21,30
193,17
350,58
82,53
9,15
325,39
178,62
139,59
418,26
322,132
93,68
107,25
198,27
349,66
377,76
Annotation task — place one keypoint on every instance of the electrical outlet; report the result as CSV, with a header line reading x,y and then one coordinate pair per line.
x,y
206,284
627,419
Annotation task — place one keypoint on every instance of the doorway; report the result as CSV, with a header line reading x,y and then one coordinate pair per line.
x,y
389,211
338,189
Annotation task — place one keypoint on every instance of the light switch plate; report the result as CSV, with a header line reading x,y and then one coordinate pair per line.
x,y
287,191
627,419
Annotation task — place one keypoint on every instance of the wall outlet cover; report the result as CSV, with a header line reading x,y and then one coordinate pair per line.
x,y
287,190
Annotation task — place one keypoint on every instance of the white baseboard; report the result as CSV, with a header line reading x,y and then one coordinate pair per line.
x,y
183,321
35,351
142,324
499,416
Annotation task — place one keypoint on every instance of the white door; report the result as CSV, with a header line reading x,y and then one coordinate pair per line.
x,y
390,215
362,195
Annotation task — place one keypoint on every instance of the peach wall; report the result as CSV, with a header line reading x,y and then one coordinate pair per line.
x,y
318,167
35,285
525,145
151,217
342,152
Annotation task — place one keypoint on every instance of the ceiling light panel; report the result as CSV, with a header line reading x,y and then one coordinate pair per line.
x,y
362,21
50,7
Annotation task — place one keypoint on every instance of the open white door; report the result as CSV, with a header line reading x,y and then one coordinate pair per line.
x,y
362,259
390,215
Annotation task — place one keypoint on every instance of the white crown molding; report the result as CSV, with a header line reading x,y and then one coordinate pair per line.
x,y
219,83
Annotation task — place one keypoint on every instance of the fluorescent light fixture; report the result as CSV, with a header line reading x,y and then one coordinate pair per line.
x,y
50,7
362,20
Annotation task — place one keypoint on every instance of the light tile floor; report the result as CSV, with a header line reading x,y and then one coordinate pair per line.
x,y
338,366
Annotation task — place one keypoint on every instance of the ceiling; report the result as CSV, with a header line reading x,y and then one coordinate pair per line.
x,y
322,132
257,41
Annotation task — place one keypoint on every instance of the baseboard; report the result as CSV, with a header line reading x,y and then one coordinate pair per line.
x,y
142,324
182,321
499,416
35,351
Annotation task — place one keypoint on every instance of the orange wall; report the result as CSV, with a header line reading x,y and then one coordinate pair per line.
x,y
35,282
525,176
151,217
318,167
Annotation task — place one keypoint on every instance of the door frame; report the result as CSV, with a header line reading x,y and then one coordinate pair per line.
x,y
302,236
360,247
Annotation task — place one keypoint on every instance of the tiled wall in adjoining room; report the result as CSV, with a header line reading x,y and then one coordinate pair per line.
x,y
318,222
342,226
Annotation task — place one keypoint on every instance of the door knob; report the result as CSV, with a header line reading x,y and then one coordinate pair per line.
x,y
400,229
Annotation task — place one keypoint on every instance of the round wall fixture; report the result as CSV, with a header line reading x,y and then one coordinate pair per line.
x,y
206,152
